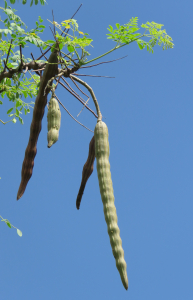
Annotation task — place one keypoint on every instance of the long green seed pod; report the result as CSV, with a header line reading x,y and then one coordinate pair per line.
x,y
87,171
54,120
107,195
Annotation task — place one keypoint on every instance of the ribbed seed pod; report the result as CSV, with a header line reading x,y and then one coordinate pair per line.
x,y
87,171
54,120
107,195
41,100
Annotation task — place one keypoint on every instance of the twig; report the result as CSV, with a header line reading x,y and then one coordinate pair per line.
x,y
33,78
53,23
42,52
25,70
78,99
38,70
104,62
78,87
71,18
21,55
7,56
53,32
71,115
5,122
76,11
61,33
5,66
83,93
93,75
72,89
92,94
83,107
35,63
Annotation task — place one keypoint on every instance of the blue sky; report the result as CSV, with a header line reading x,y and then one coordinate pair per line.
x,y
65,253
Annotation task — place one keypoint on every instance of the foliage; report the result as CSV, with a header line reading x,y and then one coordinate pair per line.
x,y
19,85
10,225
42,2
125,34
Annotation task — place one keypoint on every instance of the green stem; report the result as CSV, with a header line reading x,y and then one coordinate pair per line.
x,y
5,122
116,47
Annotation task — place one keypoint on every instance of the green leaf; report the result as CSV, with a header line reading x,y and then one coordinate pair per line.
x,y
19,232
39,18
25,94
60,46
70,48
6,31
42,2
111,28
1,102
117,25
50,42
5,4
14,120
21,120
8,223
17,112
140,46
9,110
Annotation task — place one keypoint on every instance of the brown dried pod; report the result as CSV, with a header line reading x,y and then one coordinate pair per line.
x,y
87,171
50,71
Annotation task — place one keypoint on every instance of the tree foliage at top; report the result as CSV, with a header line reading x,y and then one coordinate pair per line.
x,y
42,2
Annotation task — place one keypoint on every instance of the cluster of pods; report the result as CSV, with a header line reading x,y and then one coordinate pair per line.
x,y
98,148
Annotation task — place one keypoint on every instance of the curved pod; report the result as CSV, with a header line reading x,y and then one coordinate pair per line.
x,y
107,195
54,120
87,171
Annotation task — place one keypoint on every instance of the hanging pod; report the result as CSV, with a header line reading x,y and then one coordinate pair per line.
x,y
107,195
50,71
87,171
54,120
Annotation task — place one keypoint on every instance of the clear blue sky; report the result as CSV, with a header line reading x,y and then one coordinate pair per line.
x,y
65,253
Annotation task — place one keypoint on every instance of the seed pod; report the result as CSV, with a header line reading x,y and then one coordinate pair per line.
x,y
87,171
50,71
54,119
107,195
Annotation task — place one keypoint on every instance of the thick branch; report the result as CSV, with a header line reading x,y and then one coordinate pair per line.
x,y
30,66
